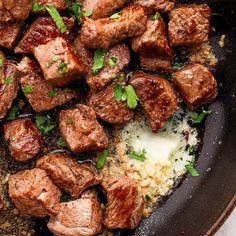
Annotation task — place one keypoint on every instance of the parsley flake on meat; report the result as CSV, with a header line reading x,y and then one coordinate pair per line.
x,y
54,58
52,93
1,61
118,91
176,66
98,60
87,13
155,17
13,113
112,62
77,13
57,18
61,142
27,89
191,170
147,198
115,15
63,68
8,80
37,7
44,124
102,159
197,118
139,156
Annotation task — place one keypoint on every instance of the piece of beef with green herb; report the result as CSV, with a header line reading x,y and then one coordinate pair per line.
x,y
8,87
196,85
107,108
59,64
41,31
124,203
107,65
102,33
157,98
81,217
25,141
81,130
11,10
103,8
68,174
152,6
34,193
41,95
153,42
9,34
2,67
39,6
189,24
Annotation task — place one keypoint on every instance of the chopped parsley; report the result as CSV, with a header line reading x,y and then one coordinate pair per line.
x,y
52,93
61,142
118,91
112,62
88,13
44,124
66,90
176,66
76,10
191,170
57,18
54,58
197,118
115,15
102,159
8,80
37,7
12,114
48,65
139,156
154,17
147,198
1,61
63,68
98,60
27,89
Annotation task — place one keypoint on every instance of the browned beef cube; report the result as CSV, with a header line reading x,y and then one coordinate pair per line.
x,y
154,40
2,67
189,24
41,95
68,174
107,108
60,5
11,10
152,6
9,88
59,64
33,193
105,32
155,64
84,55
81,130
41,31
156,96
103,8
9,33
196,85
82,217
124,203
120,57
24,139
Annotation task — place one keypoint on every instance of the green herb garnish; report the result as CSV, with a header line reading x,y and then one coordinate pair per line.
x,y
65,197
76,9
98,60
52,93
88,13
1,61
154,17
57,18
118,91
48,65
63,68
176,66
54,58
197,118
8,80
102,159
112,62
12,114
147,198
140,156
61,142
191,170
27,89
66,90
37,7
115,15
44,124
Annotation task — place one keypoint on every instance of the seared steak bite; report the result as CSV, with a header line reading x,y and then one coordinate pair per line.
x,y
124,203
116,58
189,24
58,62
107,108
41,95
8,88
68,174
60,5
153,41
156,96
41,31
103,8
196,85
24,139
9,33
11,10
155,64
82,217
105,32
151,6
81,130
33,193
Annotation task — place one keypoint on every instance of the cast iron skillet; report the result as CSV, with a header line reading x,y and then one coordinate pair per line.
x,y
199,205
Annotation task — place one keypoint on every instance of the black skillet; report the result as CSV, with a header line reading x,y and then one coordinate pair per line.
x,y
199,205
